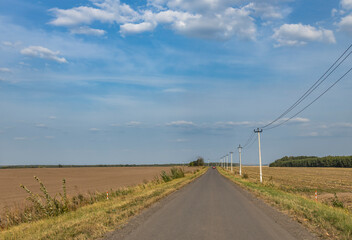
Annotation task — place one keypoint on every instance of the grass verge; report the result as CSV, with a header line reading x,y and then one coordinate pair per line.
x,y
327,221
93,221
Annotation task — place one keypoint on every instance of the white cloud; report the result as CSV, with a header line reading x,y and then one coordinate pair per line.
x,y
180,123
44,53
223,25
107,11
211,19
94,129
233,124
346,4
52,117
267,11
133,124
40,125
346,23
6,70
298,34
297,120
20,138
134,28
11,44
312,134
87,31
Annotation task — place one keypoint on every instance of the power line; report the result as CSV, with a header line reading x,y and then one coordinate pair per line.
x,y
313,100
249,140
249,145
314,86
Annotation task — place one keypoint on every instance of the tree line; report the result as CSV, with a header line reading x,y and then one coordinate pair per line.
x,y
313,161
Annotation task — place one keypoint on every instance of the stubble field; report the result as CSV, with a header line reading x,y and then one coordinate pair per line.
x,y
78,181
305,181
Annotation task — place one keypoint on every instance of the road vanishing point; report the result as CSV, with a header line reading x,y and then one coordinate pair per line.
x,y
211,207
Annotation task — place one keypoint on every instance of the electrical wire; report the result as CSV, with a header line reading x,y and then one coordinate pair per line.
x,y
248,140
249,145
313,100
313,87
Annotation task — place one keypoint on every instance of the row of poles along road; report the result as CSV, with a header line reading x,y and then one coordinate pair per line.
x,y
224,161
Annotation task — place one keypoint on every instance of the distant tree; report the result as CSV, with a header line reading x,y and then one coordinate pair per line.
x,y
198,162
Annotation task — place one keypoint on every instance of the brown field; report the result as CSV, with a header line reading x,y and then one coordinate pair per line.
x,y
78,180
304,181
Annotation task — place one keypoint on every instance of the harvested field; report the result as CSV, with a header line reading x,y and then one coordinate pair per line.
x,y
304,181
78,180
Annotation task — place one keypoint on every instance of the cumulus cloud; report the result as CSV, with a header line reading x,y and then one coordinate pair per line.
x,y
108,11
181,123
5,70
346,23
212,19
267,11
87,31
346,4
299,34
44,53
133,28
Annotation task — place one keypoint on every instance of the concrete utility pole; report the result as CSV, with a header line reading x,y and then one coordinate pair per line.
x,y
231,161
260,153
239,151
227,162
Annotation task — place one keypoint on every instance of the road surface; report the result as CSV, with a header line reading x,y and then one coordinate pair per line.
x,y
212,207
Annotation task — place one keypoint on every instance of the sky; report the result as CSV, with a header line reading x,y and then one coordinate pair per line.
x,y
166,81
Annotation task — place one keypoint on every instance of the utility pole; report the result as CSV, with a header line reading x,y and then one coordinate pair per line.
x,y
260,153
231,161
239,151
227,162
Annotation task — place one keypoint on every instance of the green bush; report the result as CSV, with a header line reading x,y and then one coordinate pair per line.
x,y
177,173
336,202
165,176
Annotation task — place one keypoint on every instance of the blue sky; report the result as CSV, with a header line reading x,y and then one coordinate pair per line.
x,y
161,81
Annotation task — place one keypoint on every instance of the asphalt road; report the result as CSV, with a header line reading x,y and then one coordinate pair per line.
x,y
212,207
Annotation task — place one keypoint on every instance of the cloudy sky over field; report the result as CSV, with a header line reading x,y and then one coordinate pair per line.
x,y
159,81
